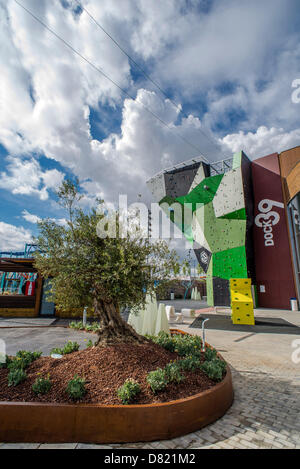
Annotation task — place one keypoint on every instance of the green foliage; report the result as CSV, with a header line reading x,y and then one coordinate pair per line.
x,y
16,363
128,391
76,388
69,347
76,325
214,369
56,351
210,354
89,344
16,376
28,357
157,380
164,340
190,363
94,327
41,385
22,359
172,372
83,266
186,345
222,364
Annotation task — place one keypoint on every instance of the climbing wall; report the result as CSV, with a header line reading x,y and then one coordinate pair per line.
x,y
220,220
241,301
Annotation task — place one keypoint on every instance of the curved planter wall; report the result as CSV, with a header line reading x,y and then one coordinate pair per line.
x,y
92,423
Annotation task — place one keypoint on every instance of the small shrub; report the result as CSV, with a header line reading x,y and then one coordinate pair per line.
x,y
76,388
28,357
157,380
164,340
186,345
76,325
41,385
95,326
22,359
190,363
57,351
89,344
16,376
128,391
69,347
214,369
172,371
16,363
222,364
210,354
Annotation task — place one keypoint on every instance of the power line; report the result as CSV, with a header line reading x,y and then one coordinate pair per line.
x,y
146,75
108,78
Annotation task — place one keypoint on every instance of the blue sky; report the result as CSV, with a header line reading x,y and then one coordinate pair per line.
x,y
229,65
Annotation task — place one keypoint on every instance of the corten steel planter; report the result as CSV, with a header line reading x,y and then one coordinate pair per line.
x,y
96,423
93,423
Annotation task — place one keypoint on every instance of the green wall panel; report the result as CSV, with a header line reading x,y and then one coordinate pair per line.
x,y
203,193
237,215
230,263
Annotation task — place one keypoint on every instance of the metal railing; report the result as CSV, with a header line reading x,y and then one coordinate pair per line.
x,y
28,252
216,167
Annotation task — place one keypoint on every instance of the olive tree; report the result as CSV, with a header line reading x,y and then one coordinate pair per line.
x,y
104,273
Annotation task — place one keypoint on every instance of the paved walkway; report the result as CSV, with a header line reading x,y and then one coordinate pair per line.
x,y
266,409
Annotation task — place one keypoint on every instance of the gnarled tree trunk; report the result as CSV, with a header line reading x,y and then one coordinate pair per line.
x,y
112,327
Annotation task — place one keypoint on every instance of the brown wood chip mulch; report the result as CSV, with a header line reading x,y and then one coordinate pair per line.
x,y
105,369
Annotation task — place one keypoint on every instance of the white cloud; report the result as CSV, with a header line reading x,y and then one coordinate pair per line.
x,y
262,142
25,177
31,218
47,92
52,178
13,238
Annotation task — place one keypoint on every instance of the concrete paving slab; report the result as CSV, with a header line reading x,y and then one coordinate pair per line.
x,y
42,339
14,322
58,446
19,445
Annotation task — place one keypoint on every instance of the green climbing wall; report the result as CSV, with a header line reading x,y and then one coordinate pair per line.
x,y
218,221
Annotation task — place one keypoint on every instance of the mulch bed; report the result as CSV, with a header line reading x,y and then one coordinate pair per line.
x,y
105,369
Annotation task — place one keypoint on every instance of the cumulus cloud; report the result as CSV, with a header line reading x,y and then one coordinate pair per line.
x,y
262,142
231,57
32,218
13,237
25,177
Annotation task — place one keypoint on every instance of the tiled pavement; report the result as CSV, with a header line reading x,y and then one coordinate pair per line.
x,y
266,408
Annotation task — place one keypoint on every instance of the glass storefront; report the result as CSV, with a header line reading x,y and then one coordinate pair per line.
x,y
294,221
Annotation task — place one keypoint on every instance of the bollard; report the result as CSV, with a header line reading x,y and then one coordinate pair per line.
x,y
203,334
84,317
